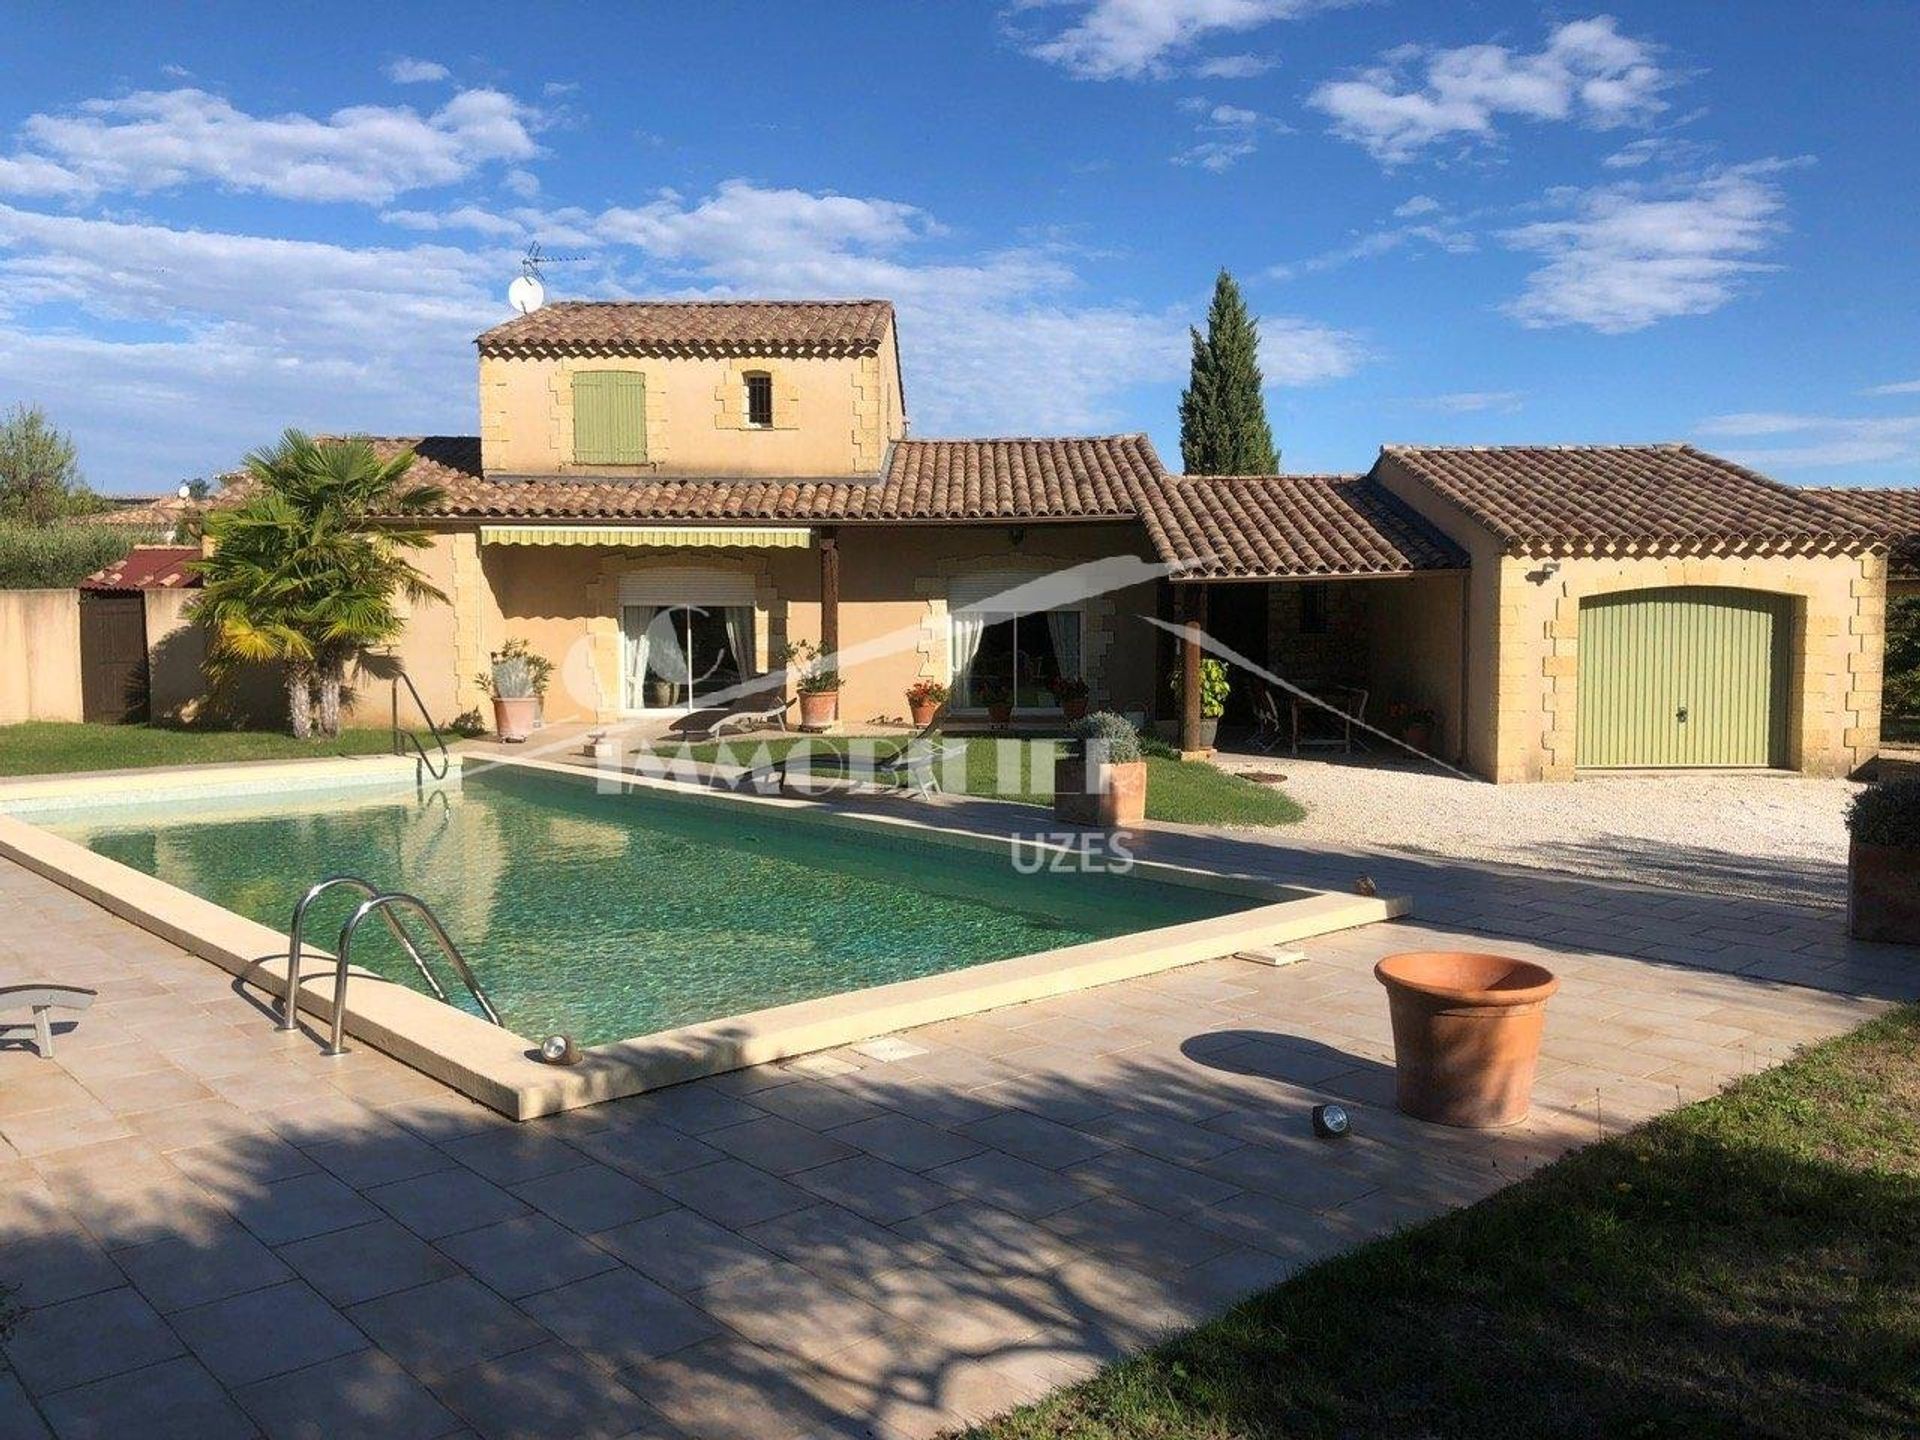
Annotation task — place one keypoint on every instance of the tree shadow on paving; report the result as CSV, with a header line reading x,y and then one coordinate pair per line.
x,y
885,1252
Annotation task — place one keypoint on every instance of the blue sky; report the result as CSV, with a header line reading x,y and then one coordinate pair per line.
x,y
1471,222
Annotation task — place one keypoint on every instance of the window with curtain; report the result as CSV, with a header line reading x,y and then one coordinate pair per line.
x,y
609,417
1013,655
759,399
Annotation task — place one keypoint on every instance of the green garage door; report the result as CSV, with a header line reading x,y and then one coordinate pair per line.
x,y
1684,676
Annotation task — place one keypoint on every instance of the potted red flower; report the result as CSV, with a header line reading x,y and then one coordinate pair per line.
x,y
1415,724
1883,863
924,699
997,697
1070,694
1101,780
817,682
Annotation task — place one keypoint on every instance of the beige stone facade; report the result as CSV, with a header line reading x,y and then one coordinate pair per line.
x,y
831,416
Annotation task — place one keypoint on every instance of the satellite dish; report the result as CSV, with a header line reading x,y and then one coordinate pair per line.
x,y
526,294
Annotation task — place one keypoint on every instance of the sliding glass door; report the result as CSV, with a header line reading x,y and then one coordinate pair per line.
x,y
1016,657
680,656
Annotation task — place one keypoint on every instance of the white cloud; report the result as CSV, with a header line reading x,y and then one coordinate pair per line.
x,y
1898,387
171,352
1234,67
1587,72
409,71
1139,39
161,139
1436,228
1416,205
1631,255
1474,402
1227,134
1821,441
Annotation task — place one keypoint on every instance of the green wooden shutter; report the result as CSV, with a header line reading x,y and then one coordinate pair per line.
x,y
609,417
1683,676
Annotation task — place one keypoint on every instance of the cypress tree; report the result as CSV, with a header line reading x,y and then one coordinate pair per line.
x,y
1223,420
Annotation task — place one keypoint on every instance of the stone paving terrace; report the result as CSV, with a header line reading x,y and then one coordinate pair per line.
x,y
220,1232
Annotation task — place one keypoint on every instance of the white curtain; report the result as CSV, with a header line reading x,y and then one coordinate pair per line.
x,y
968,626
635,620
739,622
1063,626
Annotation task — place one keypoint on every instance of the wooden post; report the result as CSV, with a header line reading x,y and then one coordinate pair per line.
x,y
830,594
1196,612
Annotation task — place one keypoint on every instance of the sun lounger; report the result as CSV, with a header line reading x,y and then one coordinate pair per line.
x,y
40,999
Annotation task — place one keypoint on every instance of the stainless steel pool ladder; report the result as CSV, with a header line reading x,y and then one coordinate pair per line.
x,y
381,902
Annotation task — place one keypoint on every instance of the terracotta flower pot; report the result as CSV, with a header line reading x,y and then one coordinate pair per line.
x,y
1106,797
1419,735
1000,715
1466,1034
513,717
1883,893
1074,709
818,708
923,712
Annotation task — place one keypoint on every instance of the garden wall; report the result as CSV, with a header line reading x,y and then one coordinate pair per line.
x,y
39,655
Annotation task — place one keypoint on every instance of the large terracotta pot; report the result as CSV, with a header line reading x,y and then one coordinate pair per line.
x,y
818,708
1466,1034
1883,893
513,718
923,712
1104,796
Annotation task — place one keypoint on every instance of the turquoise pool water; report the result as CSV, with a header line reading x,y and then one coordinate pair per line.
x,y
610,916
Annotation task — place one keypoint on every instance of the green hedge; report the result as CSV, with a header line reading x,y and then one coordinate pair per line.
x,y
59,555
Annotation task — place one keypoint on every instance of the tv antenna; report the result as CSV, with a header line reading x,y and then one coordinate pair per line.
x,y
529,292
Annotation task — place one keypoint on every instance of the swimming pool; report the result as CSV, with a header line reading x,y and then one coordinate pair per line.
x,y
613,915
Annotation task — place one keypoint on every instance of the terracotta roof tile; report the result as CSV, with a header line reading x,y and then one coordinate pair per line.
x,y
148,567
1252,526
1893,512
1612,499
694,327
1013,479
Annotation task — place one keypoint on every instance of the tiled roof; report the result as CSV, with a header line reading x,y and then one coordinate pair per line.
x,y
1011,479
148,567
160,513
1625,499
1894,512
1247,526
694,327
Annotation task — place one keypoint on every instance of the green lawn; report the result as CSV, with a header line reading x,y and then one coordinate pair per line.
x,y
47,748
1191,792
1749,1266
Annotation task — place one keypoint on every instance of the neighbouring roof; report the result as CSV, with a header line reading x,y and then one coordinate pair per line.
x,y
1011,479
148,567
1256,526
163,512
809,328
1894,511
1626,499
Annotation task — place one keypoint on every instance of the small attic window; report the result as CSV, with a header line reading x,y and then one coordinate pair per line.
x,y
759,400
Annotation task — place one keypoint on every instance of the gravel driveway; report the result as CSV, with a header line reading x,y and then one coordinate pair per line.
x,y
1774,835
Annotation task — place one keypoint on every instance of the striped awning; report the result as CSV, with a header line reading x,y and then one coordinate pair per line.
x,y
776,537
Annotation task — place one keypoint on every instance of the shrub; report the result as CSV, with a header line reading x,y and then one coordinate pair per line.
x,y
56,556
1121,740
812,672
1214,688
927,692
1903,657
1887,812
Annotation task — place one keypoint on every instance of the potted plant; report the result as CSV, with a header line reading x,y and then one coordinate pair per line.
x,y
1070,694
1416,724
997,697
516,703
1466,1034
1214,689
1883,862
661,694
541,669
924,699
817,682
1101,778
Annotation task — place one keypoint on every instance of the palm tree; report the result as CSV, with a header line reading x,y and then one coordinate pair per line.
x,y
305,571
